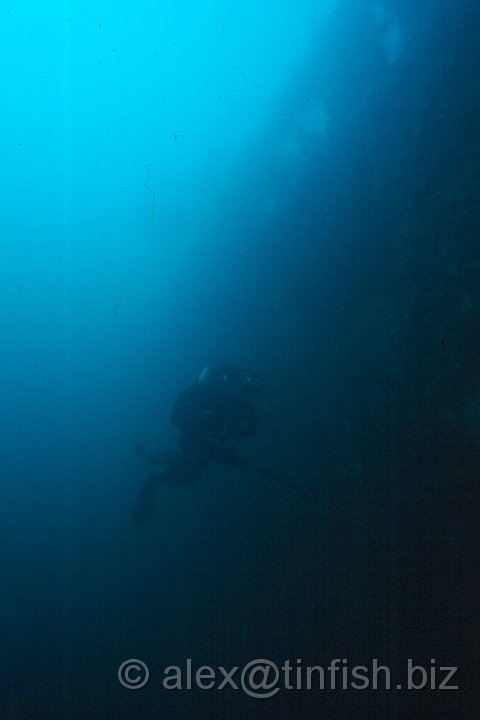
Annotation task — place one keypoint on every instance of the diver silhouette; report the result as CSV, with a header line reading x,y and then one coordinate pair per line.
x,y
222,406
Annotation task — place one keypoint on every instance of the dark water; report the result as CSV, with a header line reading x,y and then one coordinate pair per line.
x,y
288,188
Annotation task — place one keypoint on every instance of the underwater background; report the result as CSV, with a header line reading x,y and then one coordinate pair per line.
x,y
288,187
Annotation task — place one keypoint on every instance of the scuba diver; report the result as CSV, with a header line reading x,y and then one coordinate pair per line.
x,y
221,407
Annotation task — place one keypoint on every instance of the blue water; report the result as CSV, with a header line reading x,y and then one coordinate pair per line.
x,y
288,187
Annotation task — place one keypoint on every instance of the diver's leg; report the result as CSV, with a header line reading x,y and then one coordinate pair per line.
x,y
145,502
182,469
179,472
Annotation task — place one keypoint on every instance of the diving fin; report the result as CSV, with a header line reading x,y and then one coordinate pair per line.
x,y
145,502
